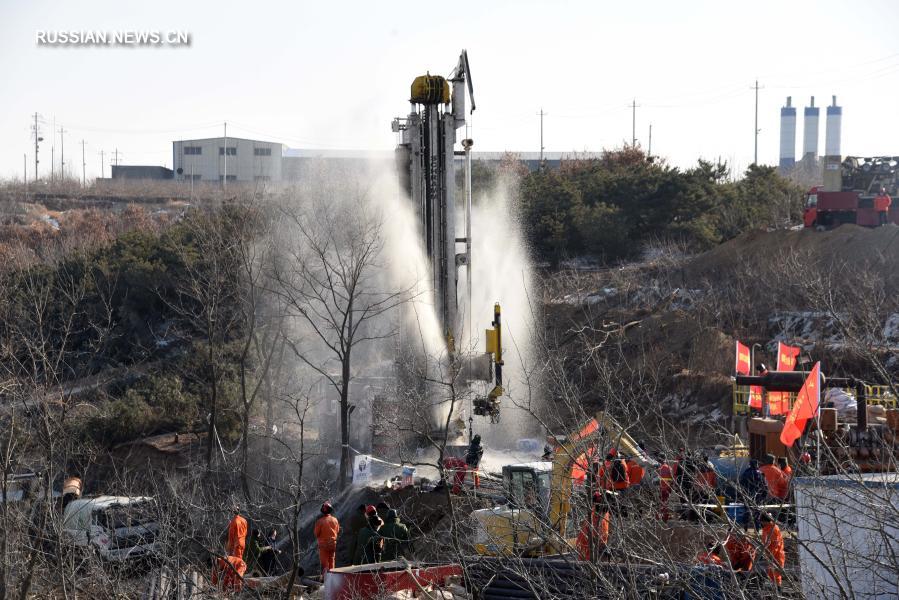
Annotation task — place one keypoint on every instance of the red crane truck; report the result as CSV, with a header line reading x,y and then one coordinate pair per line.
x,y
867,186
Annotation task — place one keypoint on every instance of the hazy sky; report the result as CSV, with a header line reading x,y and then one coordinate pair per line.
x,y
334,74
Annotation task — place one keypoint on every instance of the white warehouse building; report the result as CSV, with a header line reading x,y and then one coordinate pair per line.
x,y
231,159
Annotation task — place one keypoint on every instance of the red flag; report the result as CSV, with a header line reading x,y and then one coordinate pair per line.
x,y
743,360
806,406
786,357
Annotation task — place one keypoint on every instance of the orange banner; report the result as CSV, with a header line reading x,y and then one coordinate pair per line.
x,y
743,360
806,407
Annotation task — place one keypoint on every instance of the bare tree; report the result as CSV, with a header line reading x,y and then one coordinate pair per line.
x,y
329,281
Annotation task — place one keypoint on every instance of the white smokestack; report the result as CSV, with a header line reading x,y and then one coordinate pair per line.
x,y
810,131
832,129
787,135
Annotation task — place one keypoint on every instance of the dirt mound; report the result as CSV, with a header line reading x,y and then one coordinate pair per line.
x,y
846,247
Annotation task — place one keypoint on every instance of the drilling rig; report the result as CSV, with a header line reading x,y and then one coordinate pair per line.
x,y
427,166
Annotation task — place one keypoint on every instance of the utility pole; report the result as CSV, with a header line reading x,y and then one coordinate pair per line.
x,y
649,150
25,172
53,150
83,166
102,160
755,155
37,138
542,114
634,123
225,178
116,157
62,153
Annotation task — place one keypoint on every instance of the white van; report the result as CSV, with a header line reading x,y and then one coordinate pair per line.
x,y
118,528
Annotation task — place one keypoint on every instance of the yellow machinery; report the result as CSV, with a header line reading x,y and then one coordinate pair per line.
x,y
489,406
535,520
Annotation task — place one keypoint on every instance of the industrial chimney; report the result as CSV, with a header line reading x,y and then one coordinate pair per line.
x,y
810,132
832,131
832,178
787,136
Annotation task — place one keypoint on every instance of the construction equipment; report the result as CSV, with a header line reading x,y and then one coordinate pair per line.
x,y
426,161
489,406
426,164
535,520
850,193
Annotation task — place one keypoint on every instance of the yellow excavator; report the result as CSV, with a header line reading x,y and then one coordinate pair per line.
x,y
535,518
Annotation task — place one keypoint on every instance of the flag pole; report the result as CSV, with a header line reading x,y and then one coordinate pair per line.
x,y
818,425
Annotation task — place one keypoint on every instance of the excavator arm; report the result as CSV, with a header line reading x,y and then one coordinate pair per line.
x,y
600,432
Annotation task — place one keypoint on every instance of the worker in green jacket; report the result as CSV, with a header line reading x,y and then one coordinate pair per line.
x,y
370,544
357,523
396,537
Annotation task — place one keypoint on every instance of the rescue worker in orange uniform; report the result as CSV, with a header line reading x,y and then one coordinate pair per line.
x,y
635,472
237,534
229,571
882,203
595,528
778,488
773,542
740,551
785,467
456,467
605,472
706,479
666,479
711,556
326,530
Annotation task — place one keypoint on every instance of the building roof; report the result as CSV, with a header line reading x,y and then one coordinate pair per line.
x,y
368,154
324,153
230,138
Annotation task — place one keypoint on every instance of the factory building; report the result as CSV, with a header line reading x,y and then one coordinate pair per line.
x,y
227,159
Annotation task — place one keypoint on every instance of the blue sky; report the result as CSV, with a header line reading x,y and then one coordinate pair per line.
x,y
334,74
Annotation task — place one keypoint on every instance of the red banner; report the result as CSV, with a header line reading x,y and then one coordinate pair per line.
x,y
755,396
805,408
778,403
786,357
743,360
